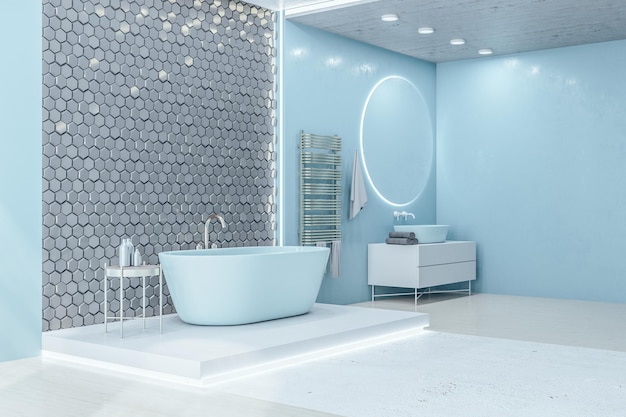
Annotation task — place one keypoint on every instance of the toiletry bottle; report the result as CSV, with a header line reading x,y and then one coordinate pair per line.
x,y
137,258
122,253
131,251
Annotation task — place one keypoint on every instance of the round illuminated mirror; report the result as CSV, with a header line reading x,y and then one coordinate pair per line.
x,y
396,141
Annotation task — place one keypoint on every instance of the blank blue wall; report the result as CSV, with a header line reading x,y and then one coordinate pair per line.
x,y
532,165
326,80
20,187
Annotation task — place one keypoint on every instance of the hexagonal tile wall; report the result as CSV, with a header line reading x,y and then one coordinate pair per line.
x,y
155,114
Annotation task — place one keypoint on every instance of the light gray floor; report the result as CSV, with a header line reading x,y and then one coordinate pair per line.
x,y
485,355
545,320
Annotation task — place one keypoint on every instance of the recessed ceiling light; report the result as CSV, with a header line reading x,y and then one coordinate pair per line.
x,y
485,51
390,17
457,41
425,30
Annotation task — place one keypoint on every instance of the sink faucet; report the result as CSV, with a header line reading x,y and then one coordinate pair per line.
x,y
206,228
406,214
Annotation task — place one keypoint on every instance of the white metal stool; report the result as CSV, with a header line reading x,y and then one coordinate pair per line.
x,y
129,272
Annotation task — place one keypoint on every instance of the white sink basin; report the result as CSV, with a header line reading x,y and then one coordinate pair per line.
x,y
425,233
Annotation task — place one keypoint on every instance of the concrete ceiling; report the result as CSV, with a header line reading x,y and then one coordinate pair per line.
x,y
505,26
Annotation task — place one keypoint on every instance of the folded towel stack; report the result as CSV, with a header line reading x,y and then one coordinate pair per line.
x,y
404,235
401,238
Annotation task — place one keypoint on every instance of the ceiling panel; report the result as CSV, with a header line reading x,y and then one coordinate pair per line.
x,y
505,26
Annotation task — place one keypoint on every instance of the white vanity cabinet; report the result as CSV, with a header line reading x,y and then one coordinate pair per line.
x,y
420,266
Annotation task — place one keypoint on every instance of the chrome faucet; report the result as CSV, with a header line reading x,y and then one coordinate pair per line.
x,y
397,214
206,228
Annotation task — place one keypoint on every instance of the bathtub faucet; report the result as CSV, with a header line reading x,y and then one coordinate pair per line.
x,y
206,228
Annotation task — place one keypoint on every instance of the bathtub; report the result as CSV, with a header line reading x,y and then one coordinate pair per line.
x,y
230,286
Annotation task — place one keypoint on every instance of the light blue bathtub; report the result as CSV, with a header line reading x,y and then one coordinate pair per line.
x,y
231,286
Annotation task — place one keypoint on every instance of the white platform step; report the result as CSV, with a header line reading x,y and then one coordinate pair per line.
x,y
204,355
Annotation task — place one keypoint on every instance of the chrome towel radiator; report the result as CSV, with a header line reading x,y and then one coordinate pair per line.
x,y
320,188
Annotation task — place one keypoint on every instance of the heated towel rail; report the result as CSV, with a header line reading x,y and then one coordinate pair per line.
x,y
320,188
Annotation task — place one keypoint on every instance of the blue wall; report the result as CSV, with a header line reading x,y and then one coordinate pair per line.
x,y
531,153
20,188
326,80
531,164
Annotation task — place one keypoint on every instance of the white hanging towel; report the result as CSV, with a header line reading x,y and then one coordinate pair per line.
x,y
358,195
335,258
323,245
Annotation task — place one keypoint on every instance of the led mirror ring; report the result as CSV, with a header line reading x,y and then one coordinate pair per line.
x,y
396,141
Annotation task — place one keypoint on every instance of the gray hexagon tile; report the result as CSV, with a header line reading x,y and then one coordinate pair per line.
x,y
156,113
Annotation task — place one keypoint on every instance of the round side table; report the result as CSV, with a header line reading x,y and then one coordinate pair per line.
x,y
130,272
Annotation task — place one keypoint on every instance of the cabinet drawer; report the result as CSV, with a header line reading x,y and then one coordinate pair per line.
x,y
431,276
445,253
392,265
